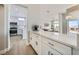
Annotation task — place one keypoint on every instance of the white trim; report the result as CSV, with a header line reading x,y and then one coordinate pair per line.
x,y
8,18
4,51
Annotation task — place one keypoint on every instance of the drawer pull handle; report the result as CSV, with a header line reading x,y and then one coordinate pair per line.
x,y
51,44
48,52
52,54
36,43
31,38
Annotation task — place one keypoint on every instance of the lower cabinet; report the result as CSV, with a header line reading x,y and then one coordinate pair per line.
x,y
61,48
46,50
75,51
44,46
36,43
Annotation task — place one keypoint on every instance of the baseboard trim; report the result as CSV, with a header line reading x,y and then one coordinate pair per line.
x,y
4,51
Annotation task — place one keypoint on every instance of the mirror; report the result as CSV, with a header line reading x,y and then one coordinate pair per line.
x,y
55,25
52,26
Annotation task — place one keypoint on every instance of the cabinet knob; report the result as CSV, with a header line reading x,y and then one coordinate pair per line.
x,y
52,54
51,44
48,52
36,43
31,38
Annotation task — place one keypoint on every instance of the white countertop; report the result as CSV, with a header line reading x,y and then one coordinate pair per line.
x,y
61,38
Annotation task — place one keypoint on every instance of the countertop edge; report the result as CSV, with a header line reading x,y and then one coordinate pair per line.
x,y
64,43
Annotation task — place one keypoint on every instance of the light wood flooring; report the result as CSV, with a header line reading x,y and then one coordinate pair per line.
x,y
20,47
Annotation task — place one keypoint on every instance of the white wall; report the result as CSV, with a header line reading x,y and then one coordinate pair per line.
x,y
75,14
33,15
42,13
51,11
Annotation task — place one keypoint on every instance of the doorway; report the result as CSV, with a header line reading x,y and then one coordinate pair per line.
x,y
17,24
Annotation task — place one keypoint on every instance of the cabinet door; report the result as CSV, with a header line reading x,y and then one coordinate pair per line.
x,y
35,42
63,49
45,50
54,52
38,46
32,40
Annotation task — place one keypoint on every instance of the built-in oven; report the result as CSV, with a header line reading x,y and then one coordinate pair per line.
x,y
13,28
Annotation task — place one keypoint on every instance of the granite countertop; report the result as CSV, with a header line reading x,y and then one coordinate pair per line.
x,y
60,38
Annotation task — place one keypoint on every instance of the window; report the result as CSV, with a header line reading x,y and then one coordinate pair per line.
x,y
73,25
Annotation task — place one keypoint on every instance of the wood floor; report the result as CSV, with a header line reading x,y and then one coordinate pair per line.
x,y
20,47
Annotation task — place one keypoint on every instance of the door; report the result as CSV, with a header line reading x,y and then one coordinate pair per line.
x,y
19,13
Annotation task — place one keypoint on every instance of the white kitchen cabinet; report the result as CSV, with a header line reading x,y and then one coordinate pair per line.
x,y
54,52
63,49
32,40
38,44
46,50
45,46
35,42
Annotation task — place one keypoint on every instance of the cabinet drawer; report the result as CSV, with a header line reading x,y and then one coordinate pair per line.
x,y
46,50
54,52
58,46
